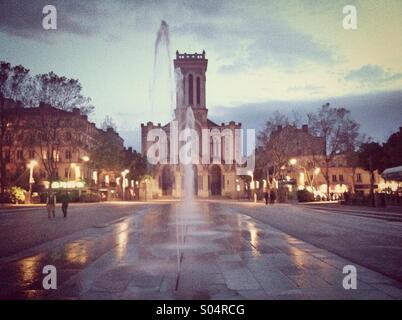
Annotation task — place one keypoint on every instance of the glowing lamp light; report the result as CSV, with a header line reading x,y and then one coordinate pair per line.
x,y
32,164
293,161
55,185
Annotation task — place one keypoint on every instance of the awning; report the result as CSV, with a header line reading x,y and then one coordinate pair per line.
x,y
393,174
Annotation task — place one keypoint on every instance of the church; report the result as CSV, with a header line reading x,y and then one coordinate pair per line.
x,y
215,178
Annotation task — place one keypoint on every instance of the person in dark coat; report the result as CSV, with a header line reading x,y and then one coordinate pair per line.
x,y
64,204
272,197
266,197
51,205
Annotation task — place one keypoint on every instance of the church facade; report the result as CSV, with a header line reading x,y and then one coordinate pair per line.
x,y
215,178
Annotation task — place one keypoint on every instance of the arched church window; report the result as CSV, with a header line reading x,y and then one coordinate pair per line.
x,y
190,90
198,91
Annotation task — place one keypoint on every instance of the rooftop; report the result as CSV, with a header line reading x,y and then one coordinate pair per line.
x,y
190,56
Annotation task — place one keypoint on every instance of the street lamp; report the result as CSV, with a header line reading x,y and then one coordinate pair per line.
x,y
123,174
31,166
292,161
250,173
86,172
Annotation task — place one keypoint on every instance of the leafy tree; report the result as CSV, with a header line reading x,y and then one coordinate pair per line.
x,y
393,150
12,80
107,155
371,158
62,93
139,166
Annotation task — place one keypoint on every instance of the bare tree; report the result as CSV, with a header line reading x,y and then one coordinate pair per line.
x,y
277,144
339,132
107,123
56,129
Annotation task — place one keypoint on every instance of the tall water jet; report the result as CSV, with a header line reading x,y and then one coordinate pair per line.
x,y
163,87
189,124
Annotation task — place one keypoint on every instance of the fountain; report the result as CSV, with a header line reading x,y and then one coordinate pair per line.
x,y
186,214
162,85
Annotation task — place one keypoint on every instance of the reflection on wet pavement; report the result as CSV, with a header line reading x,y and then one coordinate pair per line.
x,y
209,251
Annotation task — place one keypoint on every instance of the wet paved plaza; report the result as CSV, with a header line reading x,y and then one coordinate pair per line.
x,y
166,251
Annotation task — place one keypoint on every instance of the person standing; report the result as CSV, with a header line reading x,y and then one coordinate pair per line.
x,y
51,205
266,197
272,197
64,204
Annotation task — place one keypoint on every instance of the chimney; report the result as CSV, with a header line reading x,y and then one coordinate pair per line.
x,y
305,128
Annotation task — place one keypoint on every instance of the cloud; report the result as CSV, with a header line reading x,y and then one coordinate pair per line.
x,y
379,114
310,89
372,75
255,39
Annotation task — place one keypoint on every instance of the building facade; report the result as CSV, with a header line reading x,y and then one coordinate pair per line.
x,y
304,166
57,144
217,178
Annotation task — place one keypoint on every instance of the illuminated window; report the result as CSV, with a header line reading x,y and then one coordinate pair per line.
x,y
359,177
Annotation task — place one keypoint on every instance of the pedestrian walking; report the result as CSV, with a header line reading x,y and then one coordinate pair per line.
x,y
51,205
272,197
64,204
266,197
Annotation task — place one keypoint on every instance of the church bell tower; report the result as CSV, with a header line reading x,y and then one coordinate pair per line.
x,y
190,70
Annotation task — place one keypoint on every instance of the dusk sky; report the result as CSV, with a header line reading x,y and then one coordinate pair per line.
x,y
263,56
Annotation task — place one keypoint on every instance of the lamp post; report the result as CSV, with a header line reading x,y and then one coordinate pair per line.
x,y
146,182
316,173
123,174
31,166
86,160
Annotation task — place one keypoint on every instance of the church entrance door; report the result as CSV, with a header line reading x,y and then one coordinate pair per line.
x,y
215,179
167,180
